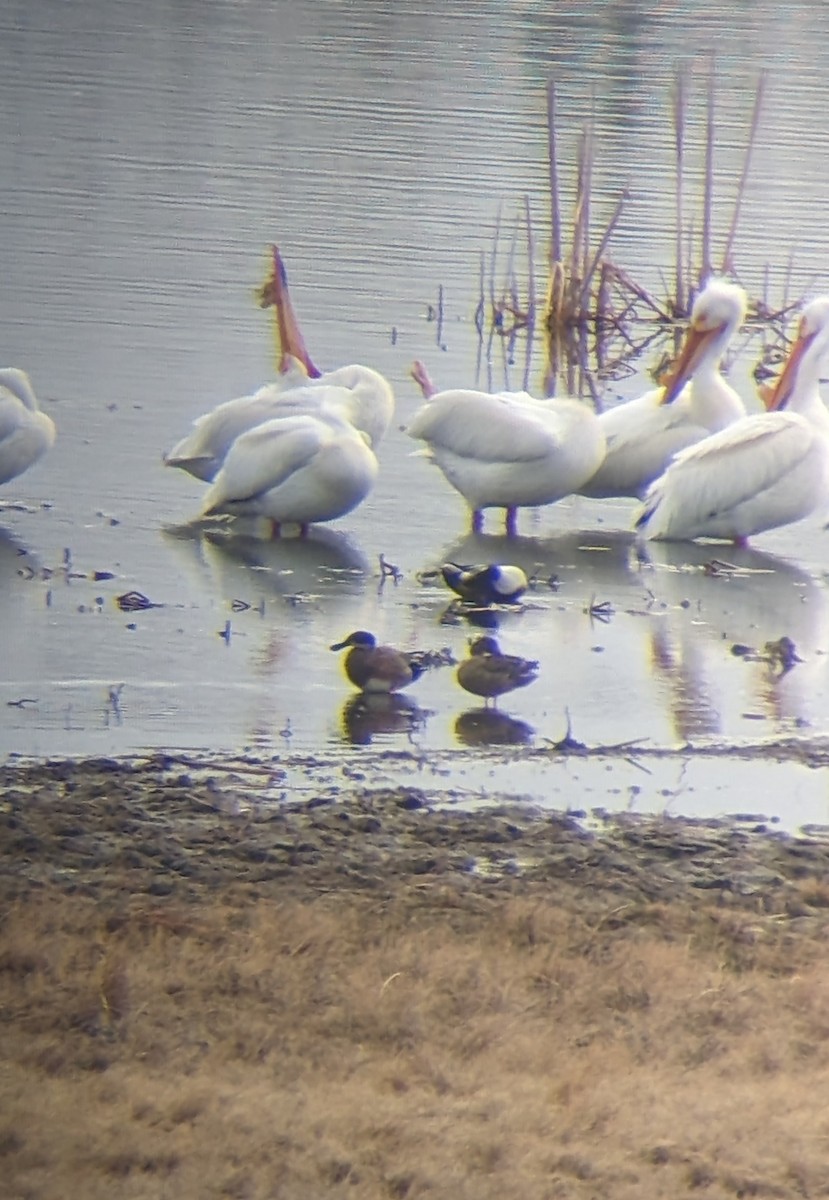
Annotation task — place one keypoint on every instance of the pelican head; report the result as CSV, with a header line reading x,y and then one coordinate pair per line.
x,y
809,347
717,313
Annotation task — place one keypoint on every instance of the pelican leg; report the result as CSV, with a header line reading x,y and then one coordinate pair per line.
x,y
477,520
303,531
511,525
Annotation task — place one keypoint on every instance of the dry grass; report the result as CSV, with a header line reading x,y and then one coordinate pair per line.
x,y
428,1044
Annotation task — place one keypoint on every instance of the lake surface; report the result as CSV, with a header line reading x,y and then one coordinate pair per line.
x,y
148,159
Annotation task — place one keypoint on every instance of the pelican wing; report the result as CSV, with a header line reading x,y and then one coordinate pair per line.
x,y
204,449
265,457
728,469
646,416
12,416
642,437
488,428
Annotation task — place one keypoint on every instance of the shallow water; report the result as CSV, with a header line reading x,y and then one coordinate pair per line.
x,y
148,162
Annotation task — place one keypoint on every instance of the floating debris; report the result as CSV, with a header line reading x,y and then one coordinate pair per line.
x,y
601,610
389,570
782,654
717,568
135,602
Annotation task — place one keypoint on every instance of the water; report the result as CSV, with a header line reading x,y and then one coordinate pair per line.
x,y
148,159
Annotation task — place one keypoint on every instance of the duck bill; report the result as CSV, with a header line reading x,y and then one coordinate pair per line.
x,y
788,376
693,350
290,344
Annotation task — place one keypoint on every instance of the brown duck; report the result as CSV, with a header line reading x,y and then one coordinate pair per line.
x,y
373,668
489,673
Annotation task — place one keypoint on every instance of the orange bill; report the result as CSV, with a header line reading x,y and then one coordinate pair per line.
x,y
693,349
788,376
290,342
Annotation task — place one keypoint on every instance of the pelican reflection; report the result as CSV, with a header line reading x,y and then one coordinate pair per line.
x,y
746,603
326,561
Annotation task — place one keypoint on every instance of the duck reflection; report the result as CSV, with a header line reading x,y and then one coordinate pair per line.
x,y
491,727
367,714
457,613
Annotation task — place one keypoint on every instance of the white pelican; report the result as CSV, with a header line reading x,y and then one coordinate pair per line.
x,y
507,449
355,393
297,469
644,434
764,471
26,433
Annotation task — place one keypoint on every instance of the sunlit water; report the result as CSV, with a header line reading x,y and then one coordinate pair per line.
x,y
148,160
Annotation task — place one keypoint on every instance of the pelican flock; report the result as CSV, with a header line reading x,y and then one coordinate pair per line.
x,y
26,433
302,449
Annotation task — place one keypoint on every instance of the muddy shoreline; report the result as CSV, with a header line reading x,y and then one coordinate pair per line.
x,y
156,827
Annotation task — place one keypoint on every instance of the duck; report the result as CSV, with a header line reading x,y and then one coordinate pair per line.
x,y
373,668
644,434
489,673
765,471
354,393
26,433
300,470
506,449
492,583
